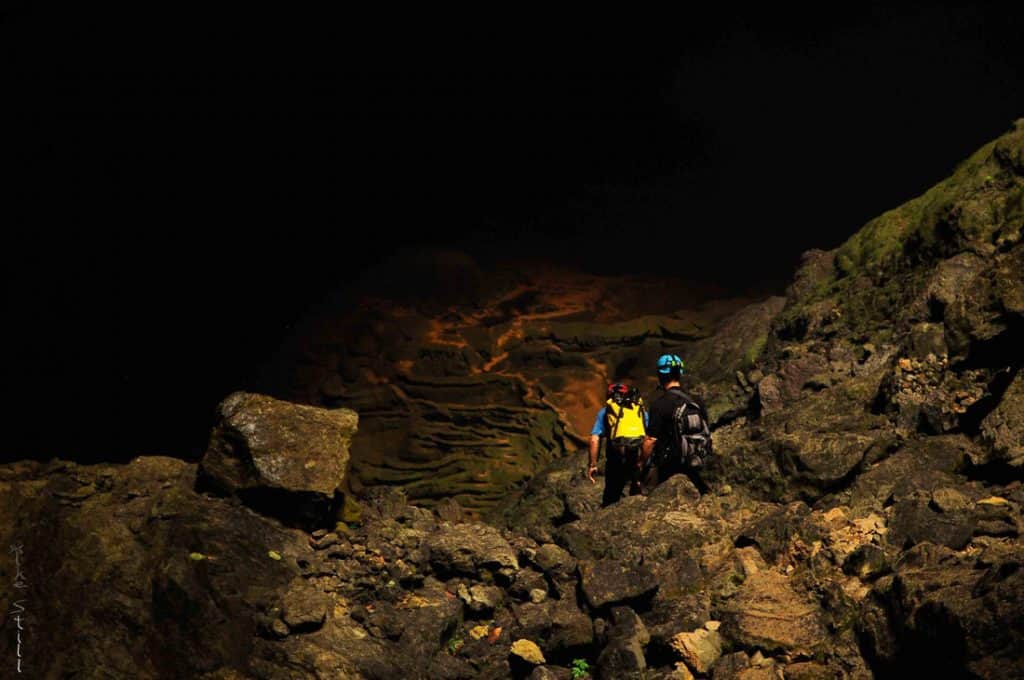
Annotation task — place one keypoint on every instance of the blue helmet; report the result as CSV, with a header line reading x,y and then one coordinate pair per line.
x,y
666,362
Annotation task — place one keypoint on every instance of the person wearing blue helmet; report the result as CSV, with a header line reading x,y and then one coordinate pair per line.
x,y
666,436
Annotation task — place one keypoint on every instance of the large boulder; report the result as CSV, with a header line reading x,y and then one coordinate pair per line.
x,y
472,550
699,649
767,613
948,614
623,655
610,581
1003,428
280,458
183,580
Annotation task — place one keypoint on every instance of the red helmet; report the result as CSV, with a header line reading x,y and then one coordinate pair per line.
x,y
619,389
620,393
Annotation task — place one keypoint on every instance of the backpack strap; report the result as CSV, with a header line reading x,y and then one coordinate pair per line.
x,y
689,400
618,419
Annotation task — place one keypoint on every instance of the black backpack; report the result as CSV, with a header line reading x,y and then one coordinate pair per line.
x,y
691,431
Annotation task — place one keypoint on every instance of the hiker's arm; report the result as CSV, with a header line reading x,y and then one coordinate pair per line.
x,y
595,445
654,426
647,448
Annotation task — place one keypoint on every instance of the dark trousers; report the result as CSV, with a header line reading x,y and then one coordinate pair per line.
x,y
619,470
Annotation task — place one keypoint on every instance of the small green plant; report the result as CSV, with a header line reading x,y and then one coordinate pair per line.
x,y
580,669
455,643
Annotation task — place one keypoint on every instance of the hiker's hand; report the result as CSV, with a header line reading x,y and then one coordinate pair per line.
x,y
590,473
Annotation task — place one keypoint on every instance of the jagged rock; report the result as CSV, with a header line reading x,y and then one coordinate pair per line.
x,y
949,613
767,613
623,655
823,459
792,378
279,457
571,631
1003,428
927,338
449,510
641,528
527,581
481,600
950,500
735,346
730,666
468,549
550,673
679,672
554,559
427,626
682,602
699,649
609,582
809,670
326,541
867,562
532,619
767,670
131,540
867,428
773,533
914,521
527,651
921,467
383,503
303,607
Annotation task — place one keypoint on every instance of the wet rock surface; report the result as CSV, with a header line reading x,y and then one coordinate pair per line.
x,y
863,518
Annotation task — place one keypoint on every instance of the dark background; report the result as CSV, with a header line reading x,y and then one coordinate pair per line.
x,y
187,185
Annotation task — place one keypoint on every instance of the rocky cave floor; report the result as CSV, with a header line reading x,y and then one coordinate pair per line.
x,y
416,507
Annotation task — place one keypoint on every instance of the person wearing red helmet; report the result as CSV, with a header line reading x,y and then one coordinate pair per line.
x,y
622,423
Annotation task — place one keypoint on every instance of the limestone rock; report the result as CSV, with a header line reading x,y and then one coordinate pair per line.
x,y
915,521
623,655
1003,428
528,651
526,582
467,549
555,559
769,614
950,500
699,649
280,457
550,673
572,631
867,562
303,608
610,581
480,599
679,672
